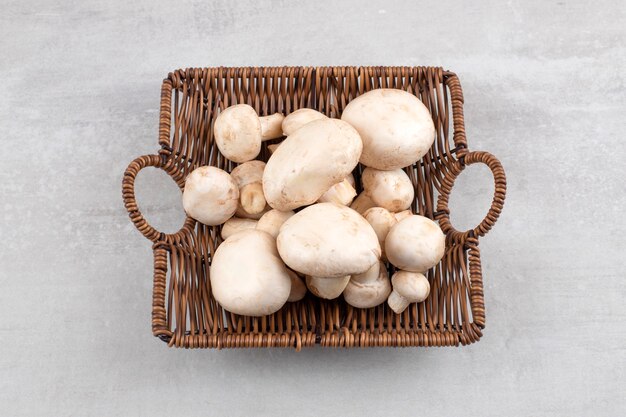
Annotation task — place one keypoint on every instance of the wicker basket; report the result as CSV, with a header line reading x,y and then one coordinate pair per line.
x,y
184,313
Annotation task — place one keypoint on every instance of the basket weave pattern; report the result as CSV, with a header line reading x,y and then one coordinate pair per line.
x,y
184,313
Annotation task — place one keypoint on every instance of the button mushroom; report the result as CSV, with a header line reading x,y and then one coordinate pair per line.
x,y
273,220
247,275
368,289
327,288
297,119
415,244
235,224
392,190
327,240
210,195
311,160
396,128
408,287
381,221
249,177
298,289
239,131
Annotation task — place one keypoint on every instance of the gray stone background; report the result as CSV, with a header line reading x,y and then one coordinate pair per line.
x,y
79,99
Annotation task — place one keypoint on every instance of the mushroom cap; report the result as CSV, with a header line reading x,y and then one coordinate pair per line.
x,y
237,131
392,190
311,160
298,289
273,220
415,244
381,221
247,275
297,119
210,195
326,288
248,172
369,289
395,126
413,286
328,240
235,224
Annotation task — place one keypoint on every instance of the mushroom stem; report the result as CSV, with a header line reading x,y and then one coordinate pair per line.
x,y
252,198
341,193
362,203
397,302
271,126
327,288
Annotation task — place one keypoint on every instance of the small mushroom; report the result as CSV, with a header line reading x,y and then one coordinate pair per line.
x,y
362,203
392,190
302,169
235,224
273,220
210,195
401,215
341,193
249,179
297,119
415,244
327,240
368,289
327,288
247,275
239,131
381,221
408,287
298,289
396,128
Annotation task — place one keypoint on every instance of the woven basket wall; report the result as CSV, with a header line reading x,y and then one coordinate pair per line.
x,y
184,313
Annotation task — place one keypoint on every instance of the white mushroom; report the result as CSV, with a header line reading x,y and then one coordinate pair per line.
x,y
415,244
381,221
273,220
392,190
297,119
362,203
401,215
408,287
298,289
327,240
249,178
302,169
247,275
327,288
368,289
341,193
396,128
210,195
235,224
239,131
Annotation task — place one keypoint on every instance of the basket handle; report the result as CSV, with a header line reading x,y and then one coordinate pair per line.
x,y
128,193
443,212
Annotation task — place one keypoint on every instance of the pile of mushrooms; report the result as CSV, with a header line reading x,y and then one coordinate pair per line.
x,y
298,218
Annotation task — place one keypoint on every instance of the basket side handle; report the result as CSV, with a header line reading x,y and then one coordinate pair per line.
x,y
443,212
128,193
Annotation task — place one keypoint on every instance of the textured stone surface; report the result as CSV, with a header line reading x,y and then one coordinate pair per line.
x,y
544,91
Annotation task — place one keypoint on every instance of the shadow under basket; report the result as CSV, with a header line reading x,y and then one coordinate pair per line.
x,y
184,312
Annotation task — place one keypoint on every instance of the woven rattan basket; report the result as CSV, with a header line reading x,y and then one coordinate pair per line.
x,y
184,313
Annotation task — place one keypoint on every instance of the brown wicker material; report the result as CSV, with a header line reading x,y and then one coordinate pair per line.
x,y
184,313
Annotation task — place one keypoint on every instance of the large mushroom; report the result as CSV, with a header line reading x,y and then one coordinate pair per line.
x,y
247,275
239,131
396,128
249,177
311,160
408,287
415,244
210,195
328,240
368,289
